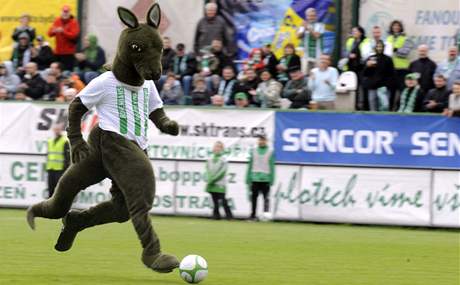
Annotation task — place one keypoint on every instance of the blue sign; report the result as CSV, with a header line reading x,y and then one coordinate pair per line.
x,y
414,141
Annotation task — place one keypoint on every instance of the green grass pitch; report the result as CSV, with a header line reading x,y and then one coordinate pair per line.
x,y
238,253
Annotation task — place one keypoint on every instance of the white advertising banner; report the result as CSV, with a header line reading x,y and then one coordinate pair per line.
x,y
318,194
446,199
28,126
178,20
200,128
365,195
426,22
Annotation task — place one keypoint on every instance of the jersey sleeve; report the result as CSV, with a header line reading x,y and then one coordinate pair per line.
x,y
155,101
92,93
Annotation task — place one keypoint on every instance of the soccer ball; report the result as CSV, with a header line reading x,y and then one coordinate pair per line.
x,y
193,268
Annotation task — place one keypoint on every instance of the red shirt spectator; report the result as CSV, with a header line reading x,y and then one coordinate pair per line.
x,y
66,30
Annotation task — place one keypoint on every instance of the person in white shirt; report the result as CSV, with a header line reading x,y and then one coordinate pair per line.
x,y
311,32
125,98
376,37
322,82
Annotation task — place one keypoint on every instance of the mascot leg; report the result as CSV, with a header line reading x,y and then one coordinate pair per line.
x,y
76,178
131,170
114,210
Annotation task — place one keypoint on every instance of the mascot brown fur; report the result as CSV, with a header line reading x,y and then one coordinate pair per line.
x,y
125,99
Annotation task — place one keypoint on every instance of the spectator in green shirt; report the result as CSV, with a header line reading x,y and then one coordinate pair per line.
x,y
260,174
216,170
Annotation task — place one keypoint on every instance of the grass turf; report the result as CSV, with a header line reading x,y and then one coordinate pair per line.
x,y
238,252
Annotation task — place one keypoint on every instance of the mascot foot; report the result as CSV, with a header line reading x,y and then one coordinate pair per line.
x,y
162,263
31,218
68,233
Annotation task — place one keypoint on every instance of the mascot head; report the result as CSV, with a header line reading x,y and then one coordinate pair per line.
x,y
140,48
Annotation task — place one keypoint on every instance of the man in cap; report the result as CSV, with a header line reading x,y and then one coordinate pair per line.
x,y
22,52
241,100
412,96
296,89
66,30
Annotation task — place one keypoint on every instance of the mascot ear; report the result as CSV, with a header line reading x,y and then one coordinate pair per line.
x,y
154,16
127,17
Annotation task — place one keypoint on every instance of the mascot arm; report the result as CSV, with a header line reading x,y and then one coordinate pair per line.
x,y
79,148
163,123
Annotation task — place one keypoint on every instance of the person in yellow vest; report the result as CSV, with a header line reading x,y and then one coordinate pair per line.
x,y
401,50
260,174
356,52
58,158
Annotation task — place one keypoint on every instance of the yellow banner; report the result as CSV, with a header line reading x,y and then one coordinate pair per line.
x,y
287,32
42,12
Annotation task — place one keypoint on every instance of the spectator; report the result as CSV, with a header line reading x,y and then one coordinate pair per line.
x,y
227,85
90,60
248,85
412,95
212,27
172,93
33,83
66,29
241,100
454,101
436,100
457,38
211,64
21,95
311,32
200,94
376,37
401,50
218,101
450,68
425,67
269,91
24,27
356,50
270,60
22,52
216,171
256,60
167,59
8,79
42,54
377,76
52,88
4,94
322,82
184,68
289,60
296,90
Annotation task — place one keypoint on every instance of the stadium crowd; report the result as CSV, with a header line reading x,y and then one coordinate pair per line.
x,y
209,74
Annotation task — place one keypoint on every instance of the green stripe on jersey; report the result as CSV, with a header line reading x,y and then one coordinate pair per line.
x,y
146,110
122,110
137,116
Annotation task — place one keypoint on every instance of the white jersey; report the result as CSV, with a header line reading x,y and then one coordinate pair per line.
x,y
122,108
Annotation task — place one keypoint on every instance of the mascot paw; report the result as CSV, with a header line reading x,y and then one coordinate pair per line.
x,y
172,128
162,263
68,233
80,150
31,218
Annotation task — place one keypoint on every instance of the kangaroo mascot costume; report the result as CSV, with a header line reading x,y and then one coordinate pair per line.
x,y
125,98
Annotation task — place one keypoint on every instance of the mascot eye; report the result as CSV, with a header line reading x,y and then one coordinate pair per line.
x,y
136,47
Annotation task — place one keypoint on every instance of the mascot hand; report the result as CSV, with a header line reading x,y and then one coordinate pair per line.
x,y
79,150
171,127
